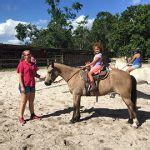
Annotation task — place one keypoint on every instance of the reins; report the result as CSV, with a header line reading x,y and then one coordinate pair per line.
x,y
73,75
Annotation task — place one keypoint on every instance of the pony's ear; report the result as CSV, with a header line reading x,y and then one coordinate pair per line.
x,y
52,64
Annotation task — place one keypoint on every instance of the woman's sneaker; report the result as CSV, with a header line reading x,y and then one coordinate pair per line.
x,y
21,120
33,116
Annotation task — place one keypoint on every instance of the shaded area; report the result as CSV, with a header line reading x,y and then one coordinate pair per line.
x,y
66,92
143,95
49,87
115,113
59,112
103,112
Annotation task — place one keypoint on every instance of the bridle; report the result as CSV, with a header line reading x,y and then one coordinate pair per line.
x,y
69,77
62,79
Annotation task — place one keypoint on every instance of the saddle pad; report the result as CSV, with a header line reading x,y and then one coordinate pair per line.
x,y
100,76
84,75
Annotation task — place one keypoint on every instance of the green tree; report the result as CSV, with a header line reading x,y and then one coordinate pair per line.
x,y
132,30
59,28
102,27
120,33
21,31
58,33
82,36
25,31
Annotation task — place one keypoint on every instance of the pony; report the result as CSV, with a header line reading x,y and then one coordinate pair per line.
x,y
117,80
142,74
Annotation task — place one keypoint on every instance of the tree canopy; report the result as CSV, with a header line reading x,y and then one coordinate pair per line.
x,y
119,33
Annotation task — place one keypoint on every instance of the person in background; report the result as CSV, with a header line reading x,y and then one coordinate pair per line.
x,y
33,60
27,72
96,65
136,60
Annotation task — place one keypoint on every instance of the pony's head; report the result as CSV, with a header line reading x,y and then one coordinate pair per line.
x,y
52,74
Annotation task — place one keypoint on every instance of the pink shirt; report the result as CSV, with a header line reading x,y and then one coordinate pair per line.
x,y
28,71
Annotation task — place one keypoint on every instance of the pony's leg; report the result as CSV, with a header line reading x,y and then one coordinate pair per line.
x,y
132,112
129,111
76,108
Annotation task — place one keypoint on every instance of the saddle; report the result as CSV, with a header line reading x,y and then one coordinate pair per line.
x,y
100,76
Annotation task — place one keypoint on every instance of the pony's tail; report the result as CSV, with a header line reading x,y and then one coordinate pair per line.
x,y
134,91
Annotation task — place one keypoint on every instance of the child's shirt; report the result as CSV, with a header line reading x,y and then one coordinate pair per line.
x,y
99,63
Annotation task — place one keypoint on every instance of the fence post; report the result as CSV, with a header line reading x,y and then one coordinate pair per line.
x,y
148,60
62,58
48,63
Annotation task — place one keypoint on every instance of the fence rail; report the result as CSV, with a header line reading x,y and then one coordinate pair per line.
x,y
9,63
147,60
6,63
69,59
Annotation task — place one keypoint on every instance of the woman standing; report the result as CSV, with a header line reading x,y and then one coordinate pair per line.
x,y
27,73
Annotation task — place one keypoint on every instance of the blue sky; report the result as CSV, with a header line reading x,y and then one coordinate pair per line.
x,y
35,11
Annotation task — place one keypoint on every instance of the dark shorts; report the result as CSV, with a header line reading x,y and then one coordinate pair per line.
x,y
27,89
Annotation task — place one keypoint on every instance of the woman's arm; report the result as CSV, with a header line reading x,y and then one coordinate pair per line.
x,y
37,75
21,82
133,58
40,76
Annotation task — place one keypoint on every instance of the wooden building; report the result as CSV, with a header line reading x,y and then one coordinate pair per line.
x,y
10,55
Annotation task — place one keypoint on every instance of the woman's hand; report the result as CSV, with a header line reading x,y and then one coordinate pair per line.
x,y
42,77
22,89
129,64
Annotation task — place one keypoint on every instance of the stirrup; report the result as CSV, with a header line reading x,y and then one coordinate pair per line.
x,y
92,87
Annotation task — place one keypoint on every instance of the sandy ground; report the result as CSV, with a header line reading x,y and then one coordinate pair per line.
x,y
103,124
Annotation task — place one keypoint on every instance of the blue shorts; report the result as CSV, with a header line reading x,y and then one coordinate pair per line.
x,y
27,89
136,66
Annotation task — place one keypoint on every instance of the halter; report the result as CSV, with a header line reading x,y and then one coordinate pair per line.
x,y
67,79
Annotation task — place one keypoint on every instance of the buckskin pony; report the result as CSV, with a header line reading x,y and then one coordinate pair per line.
x,y
117,81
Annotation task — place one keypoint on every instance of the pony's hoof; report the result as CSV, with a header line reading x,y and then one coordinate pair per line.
x,y
135,125
72,121
75,120
112,95
130,121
